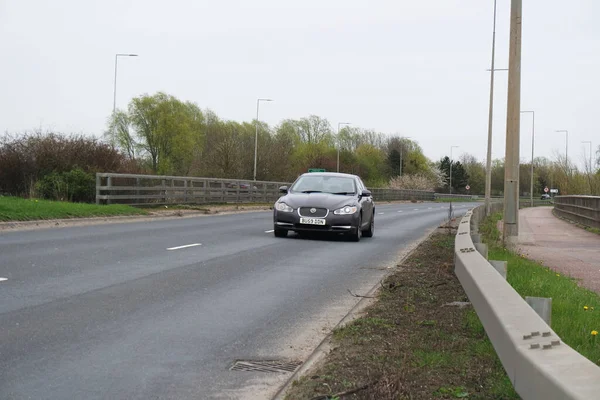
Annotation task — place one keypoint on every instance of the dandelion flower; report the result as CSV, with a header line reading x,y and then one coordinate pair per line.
x,y
594,333
557,274
585,308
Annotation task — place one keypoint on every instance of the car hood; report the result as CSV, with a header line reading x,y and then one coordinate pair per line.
x,y
324,200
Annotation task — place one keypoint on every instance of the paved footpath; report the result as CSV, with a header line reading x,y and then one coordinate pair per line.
x,y
560,245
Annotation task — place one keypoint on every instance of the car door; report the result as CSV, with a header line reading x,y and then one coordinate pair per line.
x,y
365,202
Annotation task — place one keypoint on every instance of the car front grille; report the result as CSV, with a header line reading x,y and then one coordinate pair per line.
x,y
318,212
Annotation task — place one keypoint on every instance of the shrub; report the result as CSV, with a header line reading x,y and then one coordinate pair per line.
x,y
28,158
75,185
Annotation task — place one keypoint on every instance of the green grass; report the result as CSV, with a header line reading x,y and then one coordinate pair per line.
x,y
575,310
18,209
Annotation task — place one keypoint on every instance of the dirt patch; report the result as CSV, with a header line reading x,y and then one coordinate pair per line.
x,y
420,340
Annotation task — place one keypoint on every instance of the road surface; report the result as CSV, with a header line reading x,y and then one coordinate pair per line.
x,y
162,309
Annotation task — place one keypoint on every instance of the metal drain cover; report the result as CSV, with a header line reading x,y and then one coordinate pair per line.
x,y
265,365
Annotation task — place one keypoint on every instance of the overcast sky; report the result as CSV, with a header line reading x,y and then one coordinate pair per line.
x,y
416,68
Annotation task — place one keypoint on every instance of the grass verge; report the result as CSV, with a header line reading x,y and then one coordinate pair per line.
x,y
411,344
18,209
575,310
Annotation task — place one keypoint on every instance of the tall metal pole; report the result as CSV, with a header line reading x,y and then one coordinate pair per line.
x,y
338,146
450,186
115,87
256,138
115,83
488,175
511,172
256,135
532,145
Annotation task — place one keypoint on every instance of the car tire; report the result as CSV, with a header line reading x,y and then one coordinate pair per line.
x,y
371,230
280,233
355,236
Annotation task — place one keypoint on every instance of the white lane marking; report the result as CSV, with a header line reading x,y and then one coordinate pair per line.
x,y
381,213
400,211
186,246
3,279
416,209
271,231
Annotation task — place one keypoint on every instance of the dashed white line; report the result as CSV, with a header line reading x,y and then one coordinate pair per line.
x,y
3,279
416,209
400,211
380,213
271,231
185,246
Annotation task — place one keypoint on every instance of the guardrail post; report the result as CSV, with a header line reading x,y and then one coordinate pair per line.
x,y
137,192
185,192
98,184
164,186
501,267
542,306
109,185
223,190
482,249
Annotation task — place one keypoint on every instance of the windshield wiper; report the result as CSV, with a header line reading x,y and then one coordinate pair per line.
x,y
312,191
343,193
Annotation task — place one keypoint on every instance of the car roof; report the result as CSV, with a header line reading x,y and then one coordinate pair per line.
x,y
342,175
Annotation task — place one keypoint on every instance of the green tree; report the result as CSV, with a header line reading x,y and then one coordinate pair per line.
x,y
460,178
476,172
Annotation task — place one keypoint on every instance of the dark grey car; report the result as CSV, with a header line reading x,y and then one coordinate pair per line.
x,y
325,202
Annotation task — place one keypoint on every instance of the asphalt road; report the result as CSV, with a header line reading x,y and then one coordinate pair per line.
x,y
109,312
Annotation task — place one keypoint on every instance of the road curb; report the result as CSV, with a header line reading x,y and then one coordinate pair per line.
x,y
325,346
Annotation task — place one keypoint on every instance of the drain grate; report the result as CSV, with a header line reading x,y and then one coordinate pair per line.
x,y
265,365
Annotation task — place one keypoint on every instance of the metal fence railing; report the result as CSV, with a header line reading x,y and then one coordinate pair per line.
x,y
159,190
584,210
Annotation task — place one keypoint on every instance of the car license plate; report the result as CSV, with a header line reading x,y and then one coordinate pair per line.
x,y
312,221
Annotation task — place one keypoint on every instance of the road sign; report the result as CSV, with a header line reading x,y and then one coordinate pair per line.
x,y
316,170
467,187
546,189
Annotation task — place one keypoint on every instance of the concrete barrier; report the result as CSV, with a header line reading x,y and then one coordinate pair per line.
x,y
538,363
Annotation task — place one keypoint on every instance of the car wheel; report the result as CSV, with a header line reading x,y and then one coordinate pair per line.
x,y
280,233
371,230
355,236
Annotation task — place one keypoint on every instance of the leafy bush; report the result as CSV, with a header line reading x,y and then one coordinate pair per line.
x,y
28,158
76,185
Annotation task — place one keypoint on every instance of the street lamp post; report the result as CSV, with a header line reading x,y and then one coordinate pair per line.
x,y
566,149
401,153
532,146
115,83
338,144
488,175
256,134
450,186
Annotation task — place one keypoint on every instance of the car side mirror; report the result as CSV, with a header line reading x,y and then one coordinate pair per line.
x,y
366,193
283,189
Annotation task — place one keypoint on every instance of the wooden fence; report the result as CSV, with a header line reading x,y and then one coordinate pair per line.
x,y
163,190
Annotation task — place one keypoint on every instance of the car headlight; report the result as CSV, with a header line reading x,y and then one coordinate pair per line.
x,y
280,206
346,210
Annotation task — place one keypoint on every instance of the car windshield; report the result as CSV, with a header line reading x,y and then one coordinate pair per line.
x,y
324,184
